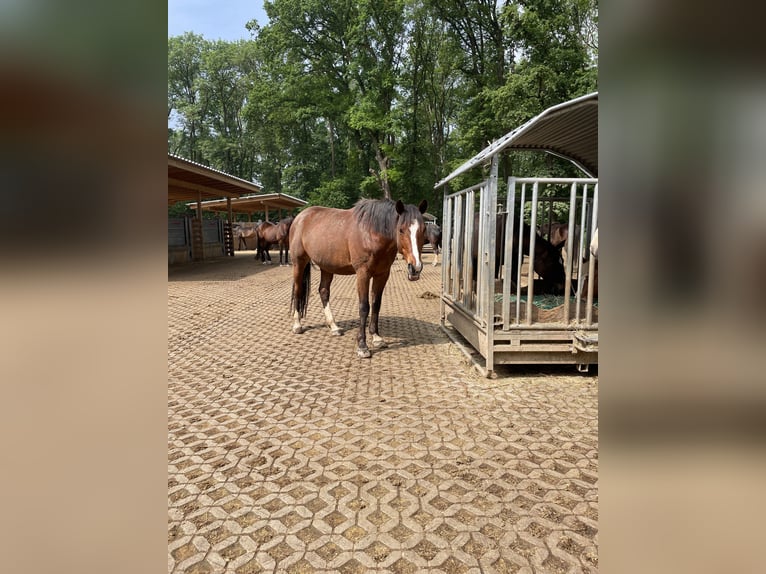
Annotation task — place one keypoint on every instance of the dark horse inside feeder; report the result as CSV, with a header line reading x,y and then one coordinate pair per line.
x,y
547,260
364,241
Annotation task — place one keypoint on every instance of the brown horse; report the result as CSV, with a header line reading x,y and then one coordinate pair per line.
x,y
363,240
271,233
547,260
242,234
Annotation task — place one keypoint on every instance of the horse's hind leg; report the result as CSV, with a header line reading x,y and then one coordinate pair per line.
x,y
436,256
283,247
301,286
324,295
378,284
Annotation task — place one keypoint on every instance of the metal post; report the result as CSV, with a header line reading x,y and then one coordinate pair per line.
x,y
519,254
531,269
490,230
580,253
507,271
570,250
591,261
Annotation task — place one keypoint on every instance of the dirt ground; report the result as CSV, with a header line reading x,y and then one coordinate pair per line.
x,y
287,453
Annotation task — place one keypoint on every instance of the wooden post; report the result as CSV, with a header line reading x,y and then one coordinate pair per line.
x,y
228,231
198,249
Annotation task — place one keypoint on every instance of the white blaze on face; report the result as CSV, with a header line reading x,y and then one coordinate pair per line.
x,y
414,242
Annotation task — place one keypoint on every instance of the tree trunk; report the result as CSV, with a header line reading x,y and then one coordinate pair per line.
x,y
383,169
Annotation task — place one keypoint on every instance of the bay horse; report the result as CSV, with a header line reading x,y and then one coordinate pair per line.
x,y
245,233
270,233
361,241
548,263
434,237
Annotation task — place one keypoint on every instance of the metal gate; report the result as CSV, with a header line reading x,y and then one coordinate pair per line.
x,y
499,314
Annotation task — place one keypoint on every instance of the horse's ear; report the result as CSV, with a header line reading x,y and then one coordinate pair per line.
x,y
399,206
422,206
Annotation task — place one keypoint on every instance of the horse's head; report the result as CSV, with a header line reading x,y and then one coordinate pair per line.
x,y
411,236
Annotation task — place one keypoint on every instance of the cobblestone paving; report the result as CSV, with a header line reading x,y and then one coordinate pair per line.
x,y
287,453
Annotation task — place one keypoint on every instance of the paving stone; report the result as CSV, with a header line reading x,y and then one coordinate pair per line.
x,y
287,453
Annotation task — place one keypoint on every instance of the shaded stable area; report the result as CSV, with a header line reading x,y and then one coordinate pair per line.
x,y
204,188
287,453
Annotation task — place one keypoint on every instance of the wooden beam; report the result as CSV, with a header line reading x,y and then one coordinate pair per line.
x,y
207,190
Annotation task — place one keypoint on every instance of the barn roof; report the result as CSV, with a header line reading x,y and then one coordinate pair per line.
x,y
568,130
253,203
189,181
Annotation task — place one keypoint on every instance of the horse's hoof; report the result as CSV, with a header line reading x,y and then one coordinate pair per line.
x,y
336,332
363,353
379,343
297,330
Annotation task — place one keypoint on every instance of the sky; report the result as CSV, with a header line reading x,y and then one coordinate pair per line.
x,y
214,19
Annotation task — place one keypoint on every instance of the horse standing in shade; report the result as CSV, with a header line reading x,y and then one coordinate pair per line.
x,y
547,264
434,237
271,233
364,241
245,233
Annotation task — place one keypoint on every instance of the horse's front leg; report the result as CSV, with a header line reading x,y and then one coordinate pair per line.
x,y
378,284
363,291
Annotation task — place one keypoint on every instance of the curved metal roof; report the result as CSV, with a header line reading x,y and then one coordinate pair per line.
x,y
568,130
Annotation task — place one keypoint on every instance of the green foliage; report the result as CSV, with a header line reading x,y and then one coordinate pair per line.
x,y
334,100
334,193
180,209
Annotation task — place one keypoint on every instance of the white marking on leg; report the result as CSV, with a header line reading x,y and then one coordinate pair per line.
x,y
297,327
330,319
413,241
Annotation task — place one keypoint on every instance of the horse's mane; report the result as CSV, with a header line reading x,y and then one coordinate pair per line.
x,y
376,215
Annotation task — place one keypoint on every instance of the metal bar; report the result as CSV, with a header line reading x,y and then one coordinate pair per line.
x,y
467,189
570,249
491,226
458,251
591,261
481,255
510,207
531,268
578,299
446,255
519,255
564,180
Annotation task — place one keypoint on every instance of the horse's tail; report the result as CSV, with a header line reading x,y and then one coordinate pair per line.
x,y
302,303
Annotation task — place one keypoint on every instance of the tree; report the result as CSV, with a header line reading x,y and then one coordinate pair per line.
x,y
333,100
184,75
